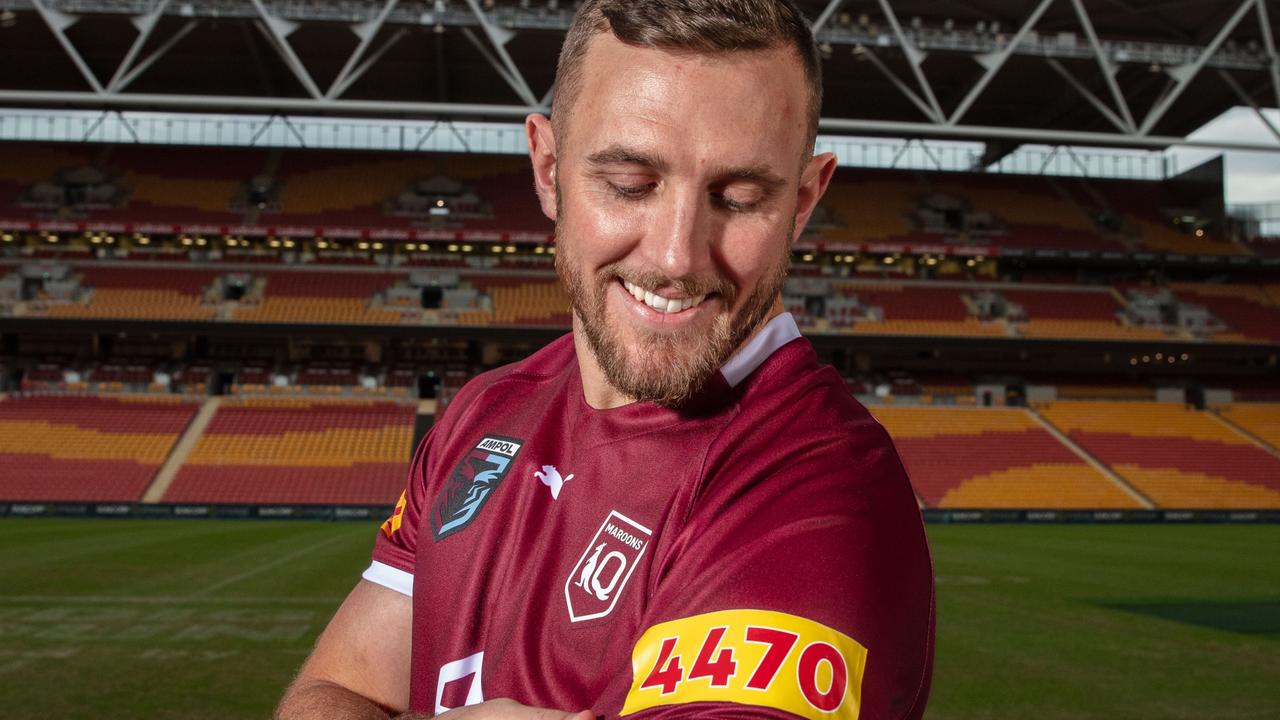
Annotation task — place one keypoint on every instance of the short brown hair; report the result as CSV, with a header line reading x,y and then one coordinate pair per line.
x,y
698,26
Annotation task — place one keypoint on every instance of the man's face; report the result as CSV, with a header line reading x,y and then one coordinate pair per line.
x,y
676,198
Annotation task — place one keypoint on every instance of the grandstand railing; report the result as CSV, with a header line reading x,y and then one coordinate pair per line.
x,y
450,136
365,513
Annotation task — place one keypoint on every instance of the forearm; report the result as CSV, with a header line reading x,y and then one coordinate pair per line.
x,y
321,700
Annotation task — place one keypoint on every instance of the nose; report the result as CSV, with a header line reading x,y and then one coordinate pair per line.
x,y
681,233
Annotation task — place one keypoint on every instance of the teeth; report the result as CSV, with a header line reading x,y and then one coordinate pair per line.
x,y
661,304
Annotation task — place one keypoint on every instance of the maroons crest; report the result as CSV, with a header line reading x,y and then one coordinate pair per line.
x,y
593,587
472,483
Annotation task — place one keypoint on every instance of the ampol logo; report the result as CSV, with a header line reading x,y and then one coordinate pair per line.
x,y
592,589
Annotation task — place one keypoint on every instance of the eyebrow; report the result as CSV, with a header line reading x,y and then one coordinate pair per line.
x,y
621,155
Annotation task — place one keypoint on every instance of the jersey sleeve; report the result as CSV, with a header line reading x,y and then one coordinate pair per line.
x,y
799,586
395,549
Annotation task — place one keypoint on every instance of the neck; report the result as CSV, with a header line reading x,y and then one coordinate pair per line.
x,y
596,388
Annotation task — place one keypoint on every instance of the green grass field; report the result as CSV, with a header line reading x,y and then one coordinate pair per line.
x,y
208,619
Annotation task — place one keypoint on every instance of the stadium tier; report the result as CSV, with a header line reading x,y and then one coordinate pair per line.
x,y
320,297
1262,420
305,190
1176,456
376,189
993,458
1251,312
141,294
520,301
917,310
294,451
1025,212
86,448
1091,314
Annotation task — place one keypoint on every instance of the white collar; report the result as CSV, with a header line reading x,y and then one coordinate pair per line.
x,y
779,331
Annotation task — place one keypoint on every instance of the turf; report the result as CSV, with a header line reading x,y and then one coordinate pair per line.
x,y
208,619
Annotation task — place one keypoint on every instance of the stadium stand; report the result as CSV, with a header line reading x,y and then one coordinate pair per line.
x,y
1085,314
1252,312
352,188
867,206
140,293
1177,456
993,458
28,165
320,297
275,451
519,301
916,310
108,449
1026,212
1262,420
198,185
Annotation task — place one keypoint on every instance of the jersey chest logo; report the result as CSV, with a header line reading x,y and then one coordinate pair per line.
x,y
593,587
472,483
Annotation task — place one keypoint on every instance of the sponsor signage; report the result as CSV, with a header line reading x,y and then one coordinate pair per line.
x,y
472,484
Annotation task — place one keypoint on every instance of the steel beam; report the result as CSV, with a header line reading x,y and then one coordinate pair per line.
x,y
1186,74
428,110
150,60
348,108
1269,42
145,24
499,38
1088,95
915,58
1105,64
366,32
548,96
1247,99
898,83
996,62
1059,137
58,22
494,63
339,89
273,28
825,15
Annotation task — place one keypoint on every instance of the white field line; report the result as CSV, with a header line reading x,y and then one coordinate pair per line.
x,y
283,559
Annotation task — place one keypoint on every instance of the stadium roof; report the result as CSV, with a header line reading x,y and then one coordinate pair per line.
x,y
1134,73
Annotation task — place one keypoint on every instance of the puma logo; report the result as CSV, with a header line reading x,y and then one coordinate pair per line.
x,y
550,477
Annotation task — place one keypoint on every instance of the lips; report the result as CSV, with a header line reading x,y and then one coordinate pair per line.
x,y
661,304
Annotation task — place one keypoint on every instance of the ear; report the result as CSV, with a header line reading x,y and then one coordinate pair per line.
x,y
813,183
542,152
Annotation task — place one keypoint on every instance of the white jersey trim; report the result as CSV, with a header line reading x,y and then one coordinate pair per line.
x,y
779,331
389,577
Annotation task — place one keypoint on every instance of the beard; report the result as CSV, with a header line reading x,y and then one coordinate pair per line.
x,y
665,367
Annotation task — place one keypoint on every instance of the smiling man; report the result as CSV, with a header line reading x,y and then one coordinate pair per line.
x,y
674,511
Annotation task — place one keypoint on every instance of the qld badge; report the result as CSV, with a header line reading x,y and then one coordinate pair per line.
x,y
472,483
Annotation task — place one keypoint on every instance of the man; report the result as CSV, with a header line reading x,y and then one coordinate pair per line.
x,y
674,511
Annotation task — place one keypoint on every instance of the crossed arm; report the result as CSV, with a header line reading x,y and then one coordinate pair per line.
x,y
359,668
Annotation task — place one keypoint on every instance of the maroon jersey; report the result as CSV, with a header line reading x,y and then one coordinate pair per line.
x,y
758,553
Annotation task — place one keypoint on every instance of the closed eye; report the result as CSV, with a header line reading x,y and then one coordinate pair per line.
x,y
631,192
731,204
